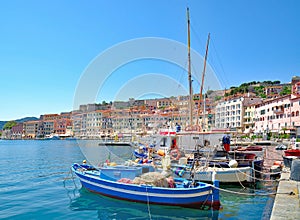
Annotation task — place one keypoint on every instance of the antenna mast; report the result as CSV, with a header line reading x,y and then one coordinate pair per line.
x,y
189,71
202,80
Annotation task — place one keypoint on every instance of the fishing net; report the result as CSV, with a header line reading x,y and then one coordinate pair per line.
x,y
152,178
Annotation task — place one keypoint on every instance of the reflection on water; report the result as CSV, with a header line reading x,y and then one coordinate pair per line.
x,y
108,208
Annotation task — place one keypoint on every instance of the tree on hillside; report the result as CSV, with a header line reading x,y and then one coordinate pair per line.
x,y
217,98
8,125
267,82
286,90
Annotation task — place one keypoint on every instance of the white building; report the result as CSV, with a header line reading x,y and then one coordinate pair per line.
x,y
230,114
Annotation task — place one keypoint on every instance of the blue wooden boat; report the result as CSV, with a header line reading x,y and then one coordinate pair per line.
x,y
109,181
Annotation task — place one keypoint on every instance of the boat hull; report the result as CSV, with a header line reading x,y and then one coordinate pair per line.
x,y
223,175
292,152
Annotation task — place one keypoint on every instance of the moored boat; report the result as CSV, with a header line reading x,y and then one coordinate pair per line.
x,y
292,152
223,175
128,183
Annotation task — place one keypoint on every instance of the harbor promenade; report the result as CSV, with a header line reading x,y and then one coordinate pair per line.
x,y
287,201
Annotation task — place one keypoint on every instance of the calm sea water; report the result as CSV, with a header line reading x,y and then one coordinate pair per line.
x,y
36,183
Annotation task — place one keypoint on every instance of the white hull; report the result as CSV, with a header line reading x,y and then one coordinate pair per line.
x,y
224,175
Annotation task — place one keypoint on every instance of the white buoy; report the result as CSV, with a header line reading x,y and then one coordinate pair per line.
x,y
233,164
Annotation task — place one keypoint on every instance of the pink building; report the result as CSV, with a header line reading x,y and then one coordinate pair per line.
x,y
17,131
278,115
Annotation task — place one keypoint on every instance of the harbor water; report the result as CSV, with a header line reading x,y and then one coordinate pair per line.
x,y
36,183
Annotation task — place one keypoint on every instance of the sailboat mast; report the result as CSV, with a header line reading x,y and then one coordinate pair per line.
x,y
202,82
189,71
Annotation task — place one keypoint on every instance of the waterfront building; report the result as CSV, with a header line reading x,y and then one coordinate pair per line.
x,y
274,91
249,119
94,107
93,124
107,122
128,120
120,105
47,128
165,102
279,115
6,134
63,126
230,114
17,131
77,123
83,132
50,124
31,129
46,117
151,104
295,86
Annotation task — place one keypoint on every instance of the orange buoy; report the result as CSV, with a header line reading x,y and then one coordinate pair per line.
x,y
161,153
278,163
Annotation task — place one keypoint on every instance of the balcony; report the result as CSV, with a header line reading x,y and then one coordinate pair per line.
x,y
278,111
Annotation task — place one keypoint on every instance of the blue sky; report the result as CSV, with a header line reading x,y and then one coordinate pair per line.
x,y
46,46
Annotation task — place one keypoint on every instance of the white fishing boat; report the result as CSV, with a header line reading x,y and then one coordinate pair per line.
x,y
223,175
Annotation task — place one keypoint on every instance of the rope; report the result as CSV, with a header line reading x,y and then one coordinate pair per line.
x,y
264,172
247,194
73,178
148,204
259,179
70,176
239,179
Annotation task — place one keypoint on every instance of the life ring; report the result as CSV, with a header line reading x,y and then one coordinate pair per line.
x,y
175,154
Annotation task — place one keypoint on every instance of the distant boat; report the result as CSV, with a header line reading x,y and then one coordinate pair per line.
x,y
281,147
52,137
137,184
112,143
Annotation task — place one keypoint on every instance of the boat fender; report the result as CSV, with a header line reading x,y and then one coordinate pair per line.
x,y
233,164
